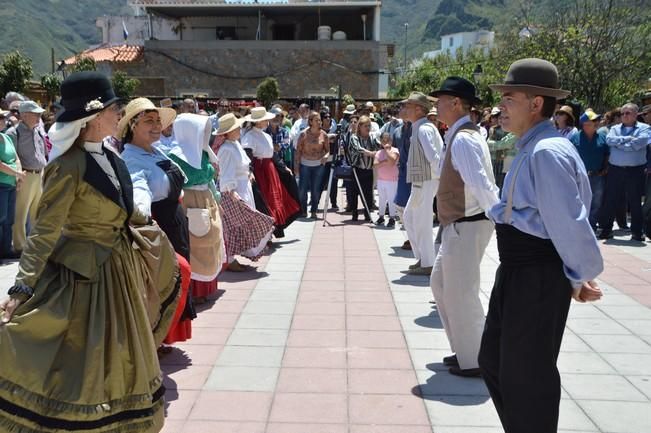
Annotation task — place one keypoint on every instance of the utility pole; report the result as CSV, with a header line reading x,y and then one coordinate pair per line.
x,y
405,68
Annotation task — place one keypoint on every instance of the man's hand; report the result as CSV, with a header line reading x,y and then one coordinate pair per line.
x,y
7,308
589,292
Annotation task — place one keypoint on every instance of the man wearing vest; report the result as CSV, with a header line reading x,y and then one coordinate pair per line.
x,y
548,254
422,172
466,190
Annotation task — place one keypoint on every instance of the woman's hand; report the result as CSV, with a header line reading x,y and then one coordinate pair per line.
x,y
235,195
7,308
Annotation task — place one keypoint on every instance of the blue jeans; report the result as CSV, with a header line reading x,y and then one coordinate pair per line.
x,y
7,213
598,186
311,179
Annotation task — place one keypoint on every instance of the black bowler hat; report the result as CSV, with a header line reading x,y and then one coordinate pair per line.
x,y
84,94
459,87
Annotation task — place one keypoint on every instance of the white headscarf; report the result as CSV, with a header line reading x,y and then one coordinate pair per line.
x,y
192,138
63,135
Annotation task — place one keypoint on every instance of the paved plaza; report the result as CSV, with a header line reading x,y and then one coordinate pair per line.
x,y
329,335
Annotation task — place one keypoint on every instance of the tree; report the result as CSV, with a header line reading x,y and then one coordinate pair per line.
x,y
268,91
123,85
15,72
51,83
347,99
84,63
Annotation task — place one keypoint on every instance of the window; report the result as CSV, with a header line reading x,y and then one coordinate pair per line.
x,y
451,42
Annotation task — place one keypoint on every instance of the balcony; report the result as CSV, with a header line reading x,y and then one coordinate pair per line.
x,y
202,4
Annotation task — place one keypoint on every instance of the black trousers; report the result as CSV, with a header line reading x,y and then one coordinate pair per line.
x,y
366,181
629,181
520,345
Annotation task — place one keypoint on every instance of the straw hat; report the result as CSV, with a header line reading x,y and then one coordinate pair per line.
x,y
350,109
227,123
259,114
418,98
433,112
566,109
137,106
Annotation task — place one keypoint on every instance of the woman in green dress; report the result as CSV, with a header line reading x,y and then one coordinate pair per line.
x,y
77,351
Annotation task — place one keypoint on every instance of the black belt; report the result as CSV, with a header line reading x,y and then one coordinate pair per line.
x,y
28,170
477,217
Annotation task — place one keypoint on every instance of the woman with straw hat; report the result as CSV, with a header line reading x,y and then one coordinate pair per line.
x,y
78,353
284,209
191,151
157,187
247,231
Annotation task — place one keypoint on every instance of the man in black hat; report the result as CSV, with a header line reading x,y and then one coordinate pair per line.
x,y
548,254
466,190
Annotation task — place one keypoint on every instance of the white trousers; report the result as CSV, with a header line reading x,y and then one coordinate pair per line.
x,y
455,285
418,220
386,190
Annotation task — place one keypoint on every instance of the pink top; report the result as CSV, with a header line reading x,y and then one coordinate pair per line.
x,y
388,171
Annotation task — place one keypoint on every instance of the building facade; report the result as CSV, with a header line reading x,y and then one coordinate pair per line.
x,y
224,48
480,39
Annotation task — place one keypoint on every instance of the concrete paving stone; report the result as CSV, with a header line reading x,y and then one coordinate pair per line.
x,y
274,427
251,356
586,311
190,354
281,266
223,427
572,343
638,327
617,344
381,381
642,383
258,337
322,296
283,276
586,363
278,285
429,339
413,297
376,339
322,286
269,307
617,300
324,276
429,359
441,383
466,411
596,326
316,338
317,357
629,363
225,306
371,309
264,321
418,309
386,410
309,408
600,387
354,428
474,429
636,312
238,378
618,417
313,380
319,322
191,377
173,426
321,308
362,297
232,406
365,286
209,336
369,358
372,323
571,417
422,323
274,295
178,404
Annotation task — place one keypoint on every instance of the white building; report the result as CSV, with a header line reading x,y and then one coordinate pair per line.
x,y
480,39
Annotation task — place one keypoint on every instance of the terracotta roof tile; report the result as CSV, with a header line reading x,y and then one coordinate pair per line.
x,y
115,53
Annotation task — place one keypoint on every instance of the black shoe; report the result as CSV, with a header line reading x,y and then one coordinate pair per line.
x,y
335,208
380,221
605,234
12,255
451,361
303,214
637,238
367,217
406,245
468,372
391,223
355,216
313,215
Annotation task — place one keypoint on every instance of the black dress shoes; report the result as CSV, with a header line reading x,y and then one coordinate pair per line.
x,y
468,372
451,361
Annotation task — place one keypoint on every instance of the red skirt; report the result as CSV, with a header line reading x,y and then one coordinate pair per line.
x,y
181,329
202,289
282,206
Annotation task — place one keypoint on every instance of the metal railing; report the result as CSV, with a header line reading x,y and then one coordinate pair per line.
x,y
204,3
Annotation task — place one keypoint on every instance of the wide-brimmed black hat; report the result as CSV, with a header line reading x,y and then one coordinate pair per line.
x,y
84,94
533,76
459,87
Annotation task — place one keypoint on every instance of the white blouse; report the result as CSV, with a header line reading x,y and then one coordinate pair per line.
x,y
233,166
259,142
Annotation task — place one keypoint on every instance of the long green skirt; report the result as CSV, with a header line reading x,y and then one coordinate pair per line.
x,y
80,355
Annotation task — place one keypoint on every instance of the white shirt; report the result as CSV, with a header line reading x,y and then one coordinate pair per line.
x,y
295,132
259,142
233,166
471,158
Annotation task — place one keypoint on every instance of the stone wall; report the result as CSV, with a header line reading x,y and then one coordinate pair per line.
x,y
233,69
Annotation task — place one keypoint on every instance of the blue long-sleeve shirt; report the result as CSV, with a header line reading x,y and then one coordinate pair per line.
x,y
628,144
593,152
551,200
